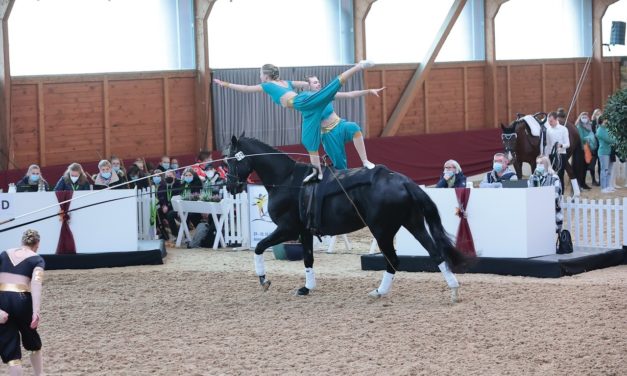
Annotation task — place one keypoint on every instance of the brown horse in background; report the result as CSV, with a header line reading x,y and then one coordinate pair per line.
x,y
521,146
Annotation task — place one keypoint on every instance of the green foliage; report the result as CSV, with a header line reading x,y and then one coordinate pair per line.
x,y
616,114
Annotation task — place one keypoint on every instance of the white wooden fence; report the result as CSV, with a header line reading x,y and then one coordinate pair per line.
x,y
236,228
596,224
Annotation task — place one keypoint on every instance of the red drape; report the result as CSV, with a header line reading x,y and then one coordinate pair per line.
x,y
464,236
66,238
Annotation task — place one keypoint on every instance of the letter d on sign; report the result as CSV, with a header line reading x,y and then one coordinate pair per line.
x,y
5,205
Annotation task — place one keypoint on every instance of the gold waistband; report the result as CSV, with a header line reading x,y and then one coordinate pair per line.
x,y
329,128
290,102
14,287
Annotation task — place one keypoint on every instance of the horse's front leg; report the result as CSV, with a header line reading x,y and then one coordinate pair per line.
x,y
277,236
310,277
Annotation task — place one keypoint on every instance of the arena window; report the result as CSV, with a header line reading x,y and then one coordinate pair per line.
x,y
413,24
543,29
94,36
250,33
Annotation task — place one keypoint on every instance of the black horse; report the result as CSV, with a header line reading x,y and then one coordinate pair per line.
x,y
379,198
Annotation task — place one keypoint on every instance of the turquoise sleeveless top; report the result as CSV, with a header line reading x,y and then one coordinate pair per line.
x,y
275,91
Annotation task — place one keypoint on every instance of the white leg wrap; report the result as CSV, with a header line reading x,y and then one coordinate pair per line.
x,y
386,283
310,278
448,275
576,191
260,268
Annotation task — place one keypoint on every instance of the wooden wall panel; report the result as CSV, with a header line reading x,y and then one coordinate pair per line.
x,y
73,122
475,77
560,86
446,100
137,118
25,131
504,115
526,89
375,107
183,138
611,78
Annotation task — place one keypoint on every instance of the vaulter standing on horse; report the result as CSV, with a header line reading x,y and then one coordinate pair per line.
x,y
310,105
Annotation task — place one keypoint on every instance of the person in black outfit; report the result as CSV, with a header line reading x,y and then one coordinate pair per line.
x,y
191,185
117,165
33,181
165,164
134,173
74,179
170,186
21,278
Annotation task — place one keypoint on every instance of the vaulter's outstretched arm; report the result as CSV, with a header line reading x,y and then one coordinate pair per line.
x,y
237,87
358,93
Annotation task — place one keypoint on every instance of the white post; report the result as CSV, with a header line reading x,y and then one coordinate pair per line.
x,y
617,239
624,240
244,214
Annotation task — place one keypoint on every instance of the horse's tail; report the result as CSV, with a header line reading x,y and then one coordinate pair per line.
x,y
422,202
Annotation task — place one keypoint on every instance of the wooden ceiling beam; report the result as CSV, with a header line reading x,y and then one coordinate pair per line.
x,y
361,8
6,150
424,66
491,9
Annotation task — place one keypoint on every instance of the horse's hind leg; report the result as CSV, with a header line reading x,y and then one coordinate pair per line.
x,y
310,277
385,239
417,228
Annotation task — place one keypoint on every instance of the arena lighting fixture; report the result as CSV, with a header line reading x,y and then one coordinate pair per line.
x,y
617,35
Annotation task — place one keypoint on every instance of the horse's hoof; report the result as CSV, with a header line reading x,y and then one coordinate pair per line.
x,y
455,295
302,291
265,285
375,294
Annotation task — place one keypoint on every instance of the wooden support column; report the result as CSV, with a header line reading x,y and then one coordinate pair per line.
x,y
599,7
422,71
41,124
166,115
491,9
106,117
204,118
360,12
6,147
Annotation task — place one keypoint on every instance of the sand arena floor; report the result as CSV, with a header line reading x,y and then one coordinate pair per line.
x,y
203,313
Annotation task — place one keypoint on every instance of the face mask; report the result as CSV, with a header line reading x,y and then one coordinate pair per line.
x,y
116,168
105,175
448,174
156,180
174,166
498,167
540,169
584,120
211,173
165,165
34,177
134,177
74,179
188,179
169,180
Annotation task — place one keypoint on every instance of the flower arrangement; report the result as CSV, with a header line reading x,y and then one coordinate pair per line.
x,y
205,196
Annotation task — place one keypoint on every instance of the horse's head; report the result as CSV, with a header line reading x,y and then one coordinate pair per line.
x,y
508,138
238,165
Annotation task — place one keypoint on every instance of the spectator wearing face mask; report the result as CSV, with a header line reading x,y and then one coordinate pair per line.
x,y
203,160
170,186
452,176
136,178
190,185
174,165
32,181
588,146
117,165
74,179
544,176
214,181
500,172
106,178
164,165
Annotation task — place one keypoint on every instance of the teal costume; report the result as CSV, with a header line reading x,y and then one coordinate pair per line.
x,y
334,139
310,104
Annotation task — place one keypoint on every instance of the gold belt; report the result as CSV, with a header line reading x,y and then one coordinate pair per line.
x,y
14,287
290,102
330,127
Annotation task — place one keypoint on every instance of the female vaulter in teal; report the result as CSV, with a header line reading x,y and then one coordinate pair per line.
x,y
311,105
336,131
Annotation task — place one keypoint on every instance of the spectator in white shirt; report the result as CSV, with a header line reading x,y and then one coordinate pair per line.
x,y
557,136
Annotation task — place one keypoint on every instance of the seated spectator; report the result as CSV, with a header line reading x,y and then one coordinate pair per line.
x,y
74,179
544,176
165,164
105,178
168,188
157,177
118,167
500,171
214,181
32,181
190,185
141,164
174,165
452,177
137,178
202,161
